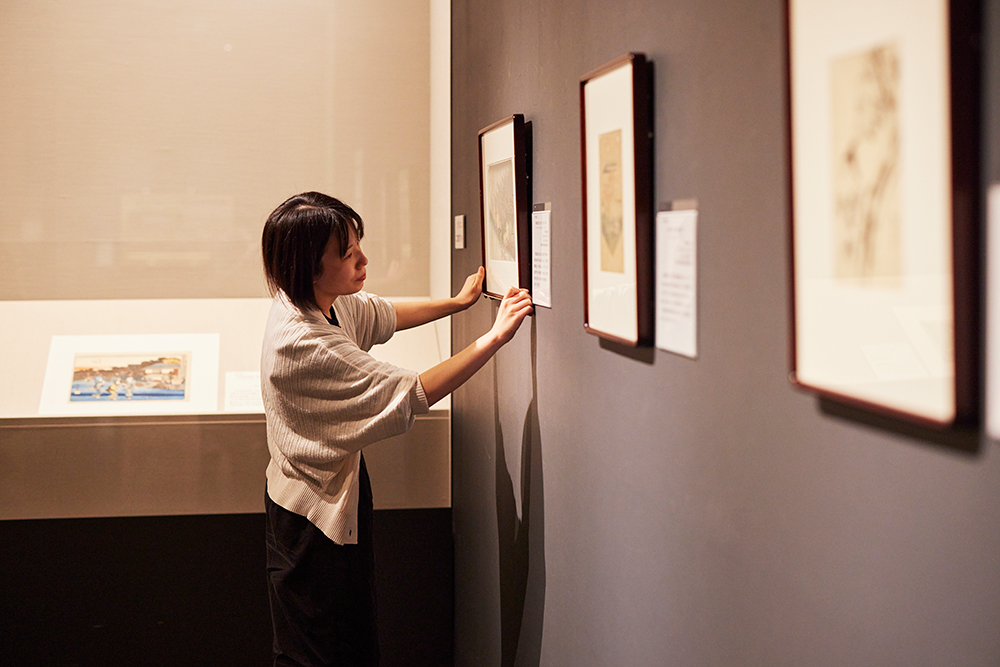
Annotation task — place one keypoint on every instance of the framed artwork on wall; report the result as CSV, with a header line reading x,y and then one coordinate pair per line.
x,y
617,148
884,205
504,206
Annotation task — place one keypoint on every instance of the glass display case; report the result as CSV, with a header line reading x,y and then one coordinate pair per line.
x,y
141,153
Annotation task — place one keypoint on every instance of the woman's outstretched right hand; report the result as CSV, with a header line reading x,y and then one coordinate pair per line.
x,y
515,306
444,378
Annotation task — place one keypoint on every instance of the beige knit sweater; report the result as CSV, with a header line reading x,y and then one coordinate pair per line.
x,y
325,399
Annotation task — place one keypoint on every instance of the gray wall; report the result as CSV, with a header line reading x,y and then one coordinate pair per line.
x,y
662,511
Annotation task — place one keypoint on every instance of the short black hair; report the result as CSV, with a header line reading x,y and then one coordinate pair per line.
x,y
295,237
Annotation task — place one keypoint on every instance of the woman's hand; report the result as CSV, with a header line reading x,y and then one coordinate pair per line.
x,y
471,290
414,313
444,378
516,305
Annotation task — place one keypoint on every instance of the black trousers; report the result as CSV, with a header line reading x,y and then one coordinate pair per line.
x,y
322,593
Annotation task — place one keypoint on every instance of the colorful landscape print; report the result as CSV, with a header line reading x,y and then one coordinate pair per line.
x,y
130,377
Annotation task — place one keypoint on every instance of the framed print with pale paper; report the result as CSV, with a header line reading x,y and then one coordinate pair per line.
x,y
617,146
503,205
141,374
884,204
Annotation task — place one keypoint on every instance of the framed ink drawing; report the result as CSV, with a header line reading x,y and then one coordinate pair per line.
x,y
884,203
617,148
503,206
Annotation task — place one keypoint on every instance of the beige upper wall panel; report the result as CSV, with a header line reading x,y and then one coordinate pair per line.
x,y
142,144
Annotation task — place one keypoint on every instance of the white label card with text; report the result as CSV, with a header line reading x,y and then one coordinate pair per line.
x,y
541,258
677,282
243,392
459,232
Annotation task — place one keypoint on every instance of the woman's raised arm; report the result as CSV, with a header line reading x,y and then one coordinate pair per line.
x,y
414,313
451,373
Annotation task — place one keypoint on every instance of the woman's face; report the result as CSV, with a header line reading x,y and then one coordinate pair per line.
x,y
341,275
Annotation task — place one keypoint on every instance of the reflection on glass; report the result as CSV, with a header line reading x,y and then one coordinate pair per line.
x,y
147,142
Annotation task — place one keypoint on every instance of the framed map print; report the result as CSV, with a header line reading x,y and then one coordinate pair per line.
x,y
504,207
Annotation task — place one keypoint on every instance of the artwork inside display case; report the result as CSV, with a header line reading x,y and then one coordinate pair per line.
x,y
617,147
144,374
883,137
130,377
503,204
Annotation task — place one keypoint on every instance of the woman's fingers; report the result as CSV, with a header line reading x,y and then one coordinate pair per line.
x,y
475,281
516,305
472,288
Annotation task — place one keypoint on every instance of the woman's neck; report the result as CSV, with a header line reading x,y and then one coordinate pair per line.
x,y
324,301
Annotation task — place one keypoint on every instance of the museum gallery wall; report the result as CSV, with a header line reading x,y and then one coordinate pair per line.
x,y
613,500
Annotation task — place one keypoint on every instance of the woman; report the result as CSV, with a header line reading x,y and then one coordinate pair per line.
x,y
325,399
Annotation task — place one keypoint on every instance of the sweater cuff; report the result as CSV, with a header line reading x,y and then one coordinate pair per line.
x,y
418,399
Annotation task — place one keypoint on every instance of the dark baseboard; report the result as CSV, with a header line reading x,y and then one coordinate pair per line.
x,y
190,590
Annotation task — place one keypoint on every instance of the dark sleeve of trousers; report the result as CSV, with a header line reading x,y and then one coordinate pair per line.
x,y
322,593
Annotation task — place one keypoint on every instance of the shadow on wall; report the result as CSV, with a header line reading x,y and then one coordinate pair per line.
x,y
961,438
521,539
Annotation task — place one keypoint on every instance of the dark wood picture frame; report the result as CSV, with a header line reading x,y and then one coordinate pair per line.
x,y
504,204
839,348
616,135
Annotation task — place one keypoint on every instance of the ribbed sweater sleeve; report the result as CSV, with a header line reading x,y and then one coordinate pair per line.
x,y
325,399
